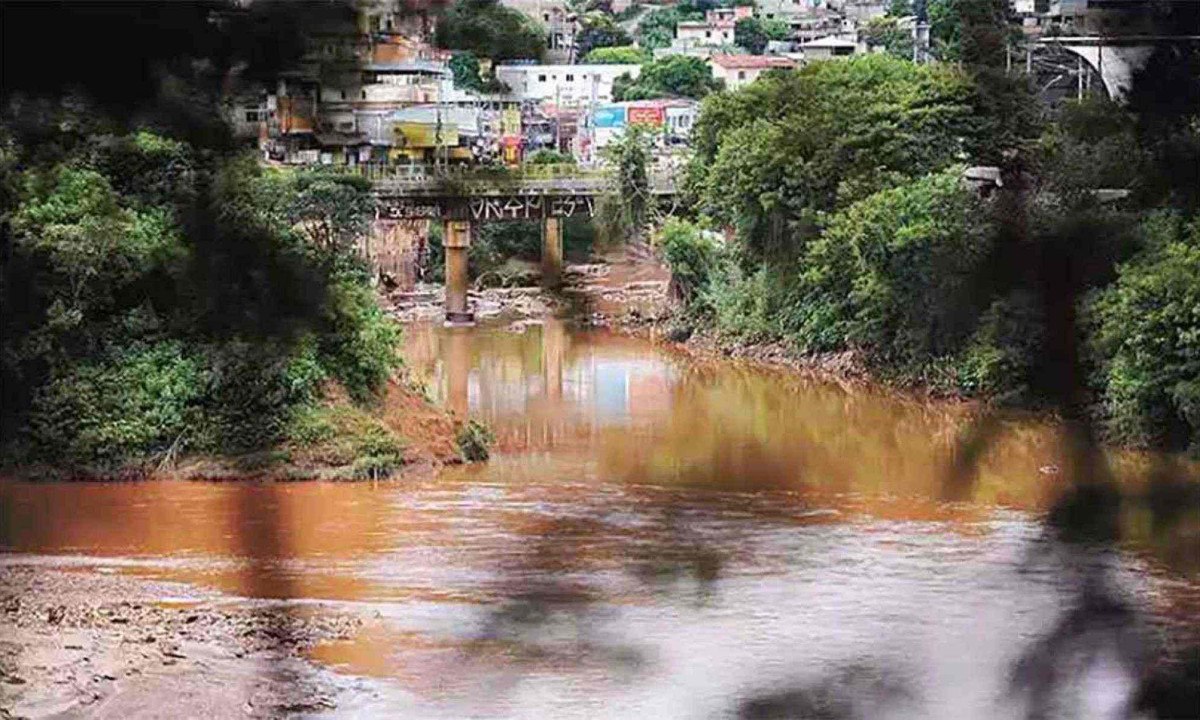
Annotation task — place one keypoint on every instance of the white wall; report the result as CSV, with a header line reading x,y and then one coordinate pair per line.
x,y
567,83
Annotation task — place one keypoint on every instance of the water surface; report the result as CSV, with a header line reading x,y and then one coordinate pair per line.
x,y
658,537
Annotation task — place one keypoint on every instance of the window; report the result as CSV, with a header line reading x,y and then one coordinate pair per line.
x,y
364,94
741,74
770,16
541,78
570,78
342,93
708,33
545,17
252,116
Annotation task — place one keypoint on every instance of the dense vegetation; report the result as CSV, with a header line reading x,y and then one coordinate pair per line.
x,y
488,29
851,228
667,77
162,299
619,55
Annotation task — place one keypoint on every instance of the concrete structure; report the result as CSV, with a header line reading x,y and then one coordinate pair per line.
x,y
786,10
715,30
828,48
459,204
563,84
456,239
739,70
552,252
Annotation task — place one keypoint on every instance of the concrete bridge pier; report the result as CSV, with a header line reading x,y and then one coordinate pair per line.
x,y
456,239
552,252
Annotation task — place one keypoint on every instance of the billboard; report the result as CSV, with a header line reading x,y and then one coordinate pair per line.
x,y
609,116
646,116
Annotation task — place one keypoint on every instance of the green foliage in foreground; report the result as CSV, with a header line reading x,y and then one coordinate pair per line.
x,y
159,299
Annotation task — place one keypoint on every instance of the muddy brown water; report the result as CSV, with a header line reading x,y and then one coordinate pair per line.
x,y
661,537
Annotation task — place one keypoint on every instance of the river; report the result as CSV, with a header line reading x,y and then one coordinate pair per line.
x,y
658,536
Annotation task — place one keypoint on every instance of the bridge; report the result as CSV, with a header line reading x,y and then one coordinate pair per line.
x,y
460,197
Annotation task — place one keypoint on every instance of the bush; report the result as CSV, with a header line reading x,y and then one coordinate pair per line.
x,y
1146,343
893,273
160,295
135,403
693,256
1000,356
474,440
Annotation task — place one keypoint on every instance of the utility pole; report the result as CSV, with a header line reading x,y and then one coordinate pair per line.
x,y
920,33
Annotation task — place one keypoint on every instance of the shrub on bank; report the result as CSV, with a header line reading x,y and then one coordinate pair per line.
x,y
474,441
161,299
1146,340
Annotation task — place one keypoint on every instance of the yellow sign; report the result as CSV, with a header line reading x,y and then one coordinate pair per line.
x,y
424,135
510,122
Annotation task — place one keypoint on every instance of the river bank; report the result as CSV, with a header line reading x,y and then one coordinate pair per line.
x,y
78,642
407,435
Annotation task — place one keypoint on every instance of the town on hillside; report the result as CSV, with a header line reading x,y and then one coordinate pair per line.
x,y
381,84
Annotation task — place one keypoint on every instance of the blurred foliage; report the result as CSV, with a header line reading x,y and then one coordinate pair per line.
x,y
160,298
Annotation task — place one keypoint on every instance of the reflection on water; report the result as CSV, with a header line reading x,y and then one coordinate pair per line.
x,y
663,538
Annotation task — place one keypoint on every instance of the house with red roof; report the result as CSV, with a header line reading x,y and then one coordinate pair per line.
x,y
739,70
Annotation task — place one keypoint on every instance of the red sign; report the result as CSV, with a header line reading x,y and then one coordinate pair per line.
x,y
645,115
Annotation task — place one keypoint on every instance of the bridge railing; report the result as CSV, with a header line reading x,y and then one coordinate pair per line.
x,y
557,177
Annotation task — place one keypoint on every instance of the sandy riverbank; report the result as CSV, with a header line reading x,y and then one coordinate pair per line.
x,y
77,642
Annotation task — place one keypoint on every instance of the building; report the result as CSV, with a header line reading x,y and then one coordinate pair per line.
x,y
715,30
739,70
786,10
563,84
670,120
557,20
827,48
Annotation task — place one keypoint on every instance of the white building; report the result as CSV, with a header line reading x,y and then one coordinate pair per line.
x,y
565,84
739,70
827,48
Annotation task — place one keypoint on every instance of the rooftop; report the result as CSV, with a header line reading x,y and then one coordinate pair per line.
x,y
752,62
829,42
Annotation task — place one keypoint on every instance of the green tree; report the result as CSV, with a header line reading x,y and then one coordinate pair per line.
x,y
624,211
772,155
1146,330
619,55
598,30
488,29
749,33
670,76
776,29
885,32
657,28
892,273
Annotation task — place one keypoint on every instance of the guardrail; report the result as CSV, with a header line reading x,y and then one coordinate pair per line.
x,y
484,180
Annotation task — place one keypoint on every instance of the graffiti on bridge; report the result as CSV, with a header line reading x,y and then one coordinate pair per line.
x,y
488,209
